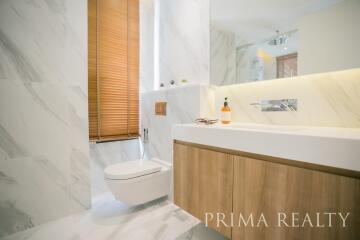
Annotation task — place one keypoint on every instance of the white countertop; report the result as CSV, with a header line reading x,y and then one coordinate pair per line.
x,y
335,147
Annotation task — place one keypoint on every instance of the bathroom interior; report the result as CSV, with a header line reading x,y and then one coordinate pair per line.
x,y
179,119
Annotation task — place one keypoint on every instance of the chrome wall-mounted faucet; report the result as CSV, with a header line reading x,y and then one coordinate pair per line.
x,y
277,105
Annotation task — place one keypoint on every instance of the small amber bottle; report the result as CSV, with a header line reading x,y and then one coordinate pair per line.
x,y
225,113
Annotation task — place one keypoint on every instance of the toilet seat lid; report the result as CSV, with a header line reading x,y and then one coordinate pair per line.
x,y
131,169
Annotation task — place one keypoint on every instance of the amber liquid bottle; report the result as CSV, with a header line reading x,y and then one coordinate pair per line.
x,y
226,113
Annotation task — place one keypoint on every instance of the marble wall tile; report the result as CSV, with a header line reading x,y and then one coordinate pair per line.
x,y
147,33
184,45
184,105
174,42
44,153
326,99
223,57
249,67
201,232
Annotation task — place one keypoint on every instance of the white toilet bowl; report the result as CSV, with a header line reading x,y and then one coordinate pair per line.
x,y
137,182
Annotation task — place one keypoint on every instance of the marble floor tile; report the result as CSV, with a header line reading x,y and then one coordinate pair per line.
x,y
201,232
109,219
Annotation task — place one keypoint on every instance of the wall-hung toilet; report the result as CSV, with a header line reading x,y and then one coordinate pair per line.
x,y
137,182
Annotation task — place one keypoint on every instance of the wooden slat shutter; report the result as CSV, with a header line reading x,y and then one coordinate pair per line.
x,y
92,73
133,65
118,69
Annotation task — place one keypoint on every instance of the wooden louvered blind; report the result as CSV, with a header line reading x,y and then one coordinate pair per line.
x,y
92,69
115,89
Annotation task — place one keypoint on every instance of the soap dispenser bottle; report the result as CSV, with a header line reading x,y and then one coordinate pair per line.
x,y
226,112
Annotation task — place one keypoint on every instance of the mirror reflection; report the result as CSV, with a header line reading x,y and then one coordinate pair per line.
x,y
262,40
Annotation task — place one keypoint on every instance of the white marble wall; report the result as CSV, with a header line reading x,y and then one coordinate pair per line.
x,y
184,53
147,28
249,67
184,105
44,159
327,100
223,57
184,41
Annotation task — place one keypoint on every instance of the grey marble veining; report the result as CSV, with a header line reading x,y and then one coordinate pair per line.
x,y
184,105
201,232
249,67
80,186
12,219
8,145
184,41
110,219
175,42
44,152
223,57
24,71
326,100
147,41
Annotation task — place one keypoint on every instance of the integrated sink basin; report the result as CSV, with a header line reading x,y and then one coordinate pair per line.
x,y
334,147
260,127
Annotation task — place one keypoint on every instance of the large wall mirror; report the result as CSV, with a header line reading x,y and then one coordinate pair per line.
x,y
262,40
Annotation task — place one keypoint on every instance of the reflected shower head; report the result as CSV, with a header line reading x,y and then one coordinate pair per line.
x,y
279,39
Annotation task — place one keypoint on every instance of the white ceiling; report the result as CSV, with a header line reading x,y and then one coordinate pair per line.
x,y
255,20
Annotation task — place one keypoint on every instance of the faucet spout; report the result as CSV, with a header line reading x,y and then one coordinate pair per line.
x,y
277,105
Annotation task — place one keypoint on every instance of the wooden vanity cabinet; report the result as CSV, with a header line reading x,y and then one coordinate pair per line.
x,y
203,182
208,179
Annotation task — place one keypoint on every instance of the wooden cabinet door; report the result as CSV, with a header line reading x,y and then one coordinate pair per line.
x,y
203,183
267,188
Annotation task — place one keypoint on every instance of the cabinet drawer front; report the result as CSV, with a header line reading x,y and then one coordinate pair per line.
x,y
278,191
203,183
